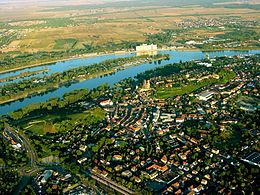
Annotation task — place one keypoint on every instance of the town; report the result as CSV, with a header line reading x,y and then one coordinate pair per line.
x,y
129,97
186,128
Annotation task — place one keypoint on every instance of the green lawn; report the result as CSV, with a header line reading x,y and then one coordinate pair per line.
x,y
163,92
40,127
49,122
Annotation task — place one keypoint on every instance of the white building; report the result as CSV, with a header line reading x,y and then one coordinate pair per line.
x,y
206,95
107,103
146,48
46,175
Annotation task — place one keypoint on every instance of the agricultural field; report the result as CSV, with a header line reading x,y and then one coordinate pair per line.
x,y
65,43
70,27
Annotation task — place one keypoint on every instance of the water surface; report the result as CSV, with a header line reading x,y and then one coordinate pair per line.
x,y
176,56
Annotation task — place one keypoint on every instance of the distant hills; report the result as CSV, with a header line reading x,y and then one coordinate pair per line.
x,y
126,2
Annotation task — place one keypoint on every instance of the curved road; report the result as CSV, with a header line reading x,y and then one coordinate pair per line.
x,y
32,156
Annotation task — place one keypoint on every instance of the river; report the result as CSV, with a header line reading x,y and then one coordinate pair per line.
x,y
175,56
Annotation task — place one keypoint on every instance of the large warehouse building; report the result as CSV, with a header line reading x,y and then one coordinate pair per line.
x,y
146,48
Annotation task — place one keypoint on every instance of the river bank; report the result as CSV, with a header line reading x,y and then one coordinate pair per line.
x,y
89,55
64,59
110,79
80,78
24,74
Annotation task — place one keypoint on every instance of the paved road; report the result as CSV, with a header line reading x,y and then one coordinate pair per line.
x,y
31,153
31,165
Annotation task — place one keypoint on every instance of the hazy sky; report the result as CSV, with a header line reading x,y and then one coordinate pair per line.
x,y
57,1
19,3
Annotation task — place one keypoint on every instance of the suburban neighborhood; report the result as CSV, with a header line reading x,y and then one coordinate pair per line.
x,y
187,143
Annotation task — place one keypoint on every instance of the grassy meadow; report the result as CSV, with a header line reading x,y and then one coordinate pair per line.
x,y
53,122
163,92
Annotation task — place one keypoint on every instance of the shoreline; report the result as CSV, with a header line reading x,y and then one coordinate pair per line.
x,y
65,59
58,85
89,55
23,75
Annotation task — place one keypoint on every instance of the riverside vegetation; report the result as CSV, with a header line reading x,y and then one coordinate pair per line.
x,y
25,88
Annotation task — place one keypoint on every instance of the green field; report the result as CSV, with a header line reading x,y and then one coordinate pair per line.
x,y
65,43
163,93
54,122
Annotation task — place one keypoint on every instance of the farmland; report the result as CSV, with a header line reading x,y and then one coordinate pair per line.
x,y
49,29
76,28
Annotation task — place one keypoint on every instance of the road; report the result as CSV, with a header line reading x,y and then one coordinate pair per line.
x,y
32,163
32,167
31,153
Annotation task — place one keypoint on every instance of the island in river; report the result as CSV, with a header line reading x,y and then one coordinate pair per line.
x,y
111,79
15,91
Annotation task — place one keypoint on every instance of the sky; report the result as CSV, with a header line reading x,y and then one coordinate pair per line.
x,y
19,3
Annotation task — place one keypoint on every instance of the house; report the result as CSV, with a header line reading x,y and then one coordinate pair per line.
x,y
204,181
164,168
158,168
215,151
83,148
17,146
207,176
118,168
104,173
183,157
180,119
137,179
199,188
133,168
106,103
193,140
186,169
66,177
127,173
80,161
169,189
173,136
117,157
96,170
160,132
191,188
176,185
164,159
54,187
153,175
